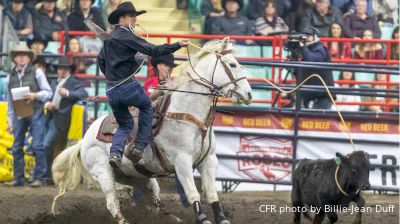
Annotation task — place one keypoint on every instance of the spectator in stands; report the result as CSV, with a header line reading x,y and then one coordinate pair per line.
x,y
314,51
48,20
85,11
38,43
40,63
270,23
67,6
20,18
321,16
74,49
348,76
24,74
385,11
356,23
343,5
381,78
295,10
233,23
395,52
162,67
338,49
256,8
367,50
67,91
108,7
211,9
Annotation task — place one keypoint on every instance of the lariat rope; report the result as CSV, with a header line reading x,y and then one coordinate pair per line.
x,y
293,90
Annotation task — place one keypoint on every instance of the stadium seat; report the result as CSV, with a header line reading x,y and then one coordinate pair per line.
x,y
386,31
256,72
52,47
247,51
267,52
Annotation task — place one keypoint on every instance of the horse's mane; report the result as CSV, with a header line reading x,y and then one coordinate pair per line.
x,y
195,56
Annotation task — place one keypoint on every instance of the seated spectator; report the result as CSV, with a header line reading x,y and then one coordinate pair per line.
x,y
356,23
321,16
211,9
385,11
48,20
342,5
20,18
233,23
85,11
40,63
395,46
37,44
67,6
270,24
74,49
377,108
294,11
108,7
367,50
338,49
345,75
256,8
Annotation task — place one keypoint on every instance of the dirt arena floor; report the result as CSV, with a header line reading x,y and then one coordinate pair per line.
x,y
27,205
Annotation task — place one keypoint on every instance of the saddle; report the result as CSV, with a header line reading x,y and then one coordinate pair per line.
x,y
154,158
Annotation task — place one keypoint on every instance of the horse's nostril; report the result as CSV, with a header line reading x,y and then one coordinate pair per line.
x,y
250,97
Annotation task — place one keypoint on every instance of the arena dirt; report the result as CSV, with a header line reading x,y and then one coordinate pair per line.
x,y
27,205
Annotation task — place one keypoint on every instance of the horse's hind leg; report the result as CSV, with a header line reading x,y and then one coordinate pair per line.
x,y
208,170
183,167
101,171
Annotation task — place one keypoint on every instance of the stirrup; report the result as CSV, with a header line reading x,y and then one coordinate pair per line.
x,y
133,154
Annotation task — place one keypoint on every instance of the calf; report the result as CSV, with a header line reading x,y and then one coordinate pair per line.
x,y
335,182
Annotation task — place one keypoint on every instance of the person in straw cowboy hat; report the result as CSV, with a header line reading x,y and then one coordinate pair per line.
x,y
25,74
117,61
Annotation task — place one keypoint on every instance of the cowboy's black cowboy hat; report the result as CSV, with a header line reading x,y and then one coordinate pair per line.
x,y
37,38
123,9
240,2
167,59
64,62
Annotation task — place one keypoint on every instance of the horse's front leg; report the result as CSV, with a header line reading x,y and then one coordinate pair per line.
x,y
183,167
208,169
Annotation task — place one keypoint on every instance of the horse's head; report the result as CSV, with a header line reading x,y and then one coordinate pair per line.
x,y
223,71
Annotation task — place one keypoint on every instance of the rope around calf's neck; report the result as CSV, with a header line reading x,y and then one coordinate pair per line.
x,y
295,89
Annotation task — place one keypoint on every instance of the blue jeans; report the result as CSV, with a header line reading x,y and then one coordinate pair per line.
x,y
130,93
54,140
35,124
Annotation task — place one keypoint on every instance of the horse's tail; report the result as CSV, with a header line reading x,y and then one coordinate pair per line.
x,y
68,171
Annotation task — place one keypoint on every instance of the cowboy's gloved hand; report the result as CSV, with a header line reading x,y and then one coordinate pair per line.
x,y
184,43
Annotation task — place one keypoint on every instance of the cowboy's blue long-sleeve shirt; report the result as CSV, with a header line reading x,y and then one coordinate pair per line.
x,y
117,58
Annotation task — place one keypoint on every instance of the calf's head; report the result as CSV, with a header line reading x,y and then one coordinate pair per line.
x,y
356,167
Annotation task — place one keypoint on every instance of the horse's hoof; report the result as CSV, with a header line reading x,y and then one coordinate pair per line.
x,y
224,222
123,221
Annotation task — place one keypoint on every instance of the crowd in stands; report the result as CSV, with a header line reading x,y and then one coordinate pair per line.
x,y
38,23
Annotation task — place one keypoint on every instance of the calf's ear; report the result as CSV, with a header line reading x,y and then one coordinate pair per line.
x,y
340,156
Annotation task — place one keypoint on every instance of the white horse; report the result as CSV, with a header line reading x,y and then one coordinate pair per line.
x,y
187,143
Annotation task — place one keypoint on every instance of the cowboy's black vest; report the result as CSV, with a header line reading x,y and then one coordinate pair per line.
x,y
29,79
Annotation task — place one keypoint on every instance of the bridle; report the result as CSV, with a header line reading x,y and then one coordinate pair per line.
x,y
215,89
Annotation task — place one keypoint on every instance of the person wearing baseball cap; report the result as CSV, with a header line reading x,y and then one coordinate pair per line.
x,y
24,74
314,51
117,62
